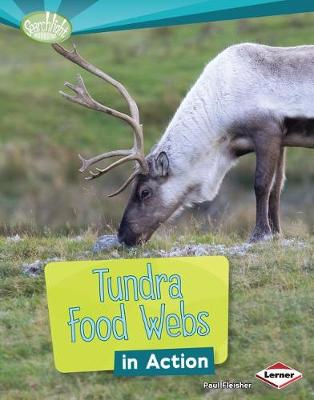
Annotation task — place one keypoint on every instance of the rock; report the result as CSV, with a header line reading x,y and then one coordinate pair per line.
x,y
115,254
15,238
105,243
33,269
77,238
193,249
37,267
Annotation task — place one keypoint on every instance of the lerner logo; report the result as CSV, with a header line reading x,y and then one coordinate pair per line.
x,y
46,27
279,375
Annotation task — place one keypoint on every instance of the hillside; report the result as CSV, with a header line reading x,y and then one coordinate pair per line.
x,y
41,134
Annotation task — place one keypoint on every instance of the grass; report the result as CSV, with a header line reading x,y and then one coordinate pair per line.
x,y
271,319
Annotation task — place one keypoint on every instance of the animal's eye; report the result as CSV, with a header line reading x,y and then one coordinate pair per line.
x,y
145,194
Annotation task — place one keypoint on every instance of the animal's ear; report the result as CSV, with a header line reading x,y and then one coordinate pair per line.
x,y
162,164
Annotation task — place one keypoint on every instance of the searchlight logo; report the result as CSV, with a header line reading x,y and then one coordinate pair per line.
x,y
46,27
279,375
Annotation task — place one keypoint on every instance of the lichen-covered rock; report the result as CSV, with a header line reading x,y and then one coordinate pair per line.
x,y
16,238
37,267
106,243
33,269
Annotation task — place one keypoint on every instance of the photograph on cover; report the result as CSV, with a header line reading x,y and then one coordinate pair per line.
x,y
202,137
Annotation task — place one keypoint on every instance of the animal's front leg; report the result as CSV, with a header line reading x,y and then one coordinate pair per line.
x,y
267,156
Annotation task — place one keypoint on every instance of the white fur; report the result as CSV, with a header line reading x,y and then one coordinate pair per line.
x,y
243,80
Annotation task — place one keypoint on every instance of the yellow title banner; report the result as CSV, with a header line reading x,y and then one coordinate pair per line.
x,y
99,307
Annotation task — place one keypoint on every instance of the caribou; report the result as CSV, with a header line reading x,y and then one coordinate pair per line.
x,y
249,98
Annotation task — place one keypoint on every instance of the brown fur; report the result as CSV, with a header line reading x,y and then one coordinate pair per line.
x,y
268,137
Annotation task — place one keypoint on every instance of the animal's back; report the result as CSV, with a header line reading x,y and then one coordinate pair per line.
x,y
273,79
244,81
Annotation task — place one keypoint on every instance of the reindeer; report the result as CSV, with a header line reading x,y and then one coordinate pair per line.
x,y
250,98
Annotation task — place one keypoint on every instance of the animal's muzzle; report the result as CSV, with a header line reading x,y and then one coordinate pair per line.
x,y
127,236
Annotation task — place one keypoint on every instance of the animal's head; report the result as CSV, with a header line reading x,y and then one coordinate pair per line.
x,y
146,208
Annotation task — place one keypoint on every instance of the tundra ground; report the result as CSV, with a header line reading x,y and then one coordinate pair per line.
x,y
271,319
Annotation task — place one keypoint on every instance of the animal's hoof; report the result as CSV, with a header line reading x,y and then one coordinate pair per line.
x,y
278,235
259,236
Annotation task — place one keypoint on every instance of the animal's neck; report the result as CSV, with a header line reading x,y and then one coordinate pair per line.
x,y
199,181
195,143
209,173
193,131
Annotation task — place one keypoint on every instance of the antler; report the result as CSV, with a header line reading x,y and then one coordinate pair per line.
x,y
83,98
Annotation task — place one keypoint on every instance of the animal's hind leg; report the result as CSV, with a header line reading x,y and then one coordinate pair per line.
x,y
274,199
267,150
